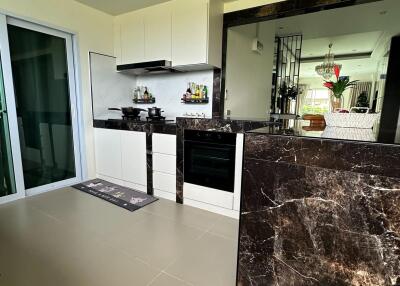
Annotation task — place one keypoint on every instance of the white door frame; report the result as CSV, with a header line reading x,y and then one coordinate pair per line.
x,y
11,113
10,97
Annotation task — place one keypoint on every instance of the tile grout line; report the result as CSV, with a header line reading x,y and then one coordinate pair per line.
x,y
164,271
154,279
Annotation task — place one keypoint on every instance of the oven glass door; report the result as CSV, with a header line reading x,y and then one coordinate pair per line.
x,y
210,165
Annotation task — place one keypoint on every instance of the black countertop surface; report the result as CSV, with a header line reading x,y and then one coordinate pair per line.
x,y
166,127
283,127
302,128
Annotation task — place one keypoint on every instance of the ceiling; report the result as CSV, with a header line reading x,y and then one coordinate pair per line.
x,y
117,7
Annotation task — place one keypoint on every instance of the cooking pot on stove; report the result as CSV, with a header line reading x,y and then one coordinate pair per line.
x,y
154,112
129,111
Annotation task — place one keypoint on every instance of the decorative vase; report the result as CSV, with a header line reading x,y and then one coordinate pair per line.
x,y
283,103
336,101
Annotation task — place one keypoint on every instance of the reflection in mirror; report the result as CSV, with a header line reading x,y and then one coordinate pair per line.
x,y
328,67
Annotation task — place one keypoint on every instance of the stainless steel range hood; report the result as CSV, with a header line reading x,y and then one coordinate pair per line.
x,y
154,67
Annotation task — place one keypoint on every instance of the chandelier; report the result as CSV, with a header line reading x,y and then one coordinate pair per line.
x,y
326,69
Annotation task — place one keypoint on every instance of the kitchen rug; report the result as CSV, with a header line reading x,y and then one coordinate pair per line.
x,y
118,195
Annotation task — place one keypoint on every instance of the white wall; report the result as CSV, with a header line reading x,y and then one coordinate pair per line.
x,y
169,88
109,88
249,74
115,89
94,31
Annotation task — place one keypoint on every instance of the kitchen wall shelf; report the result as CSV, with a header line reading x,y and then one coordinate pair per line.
x,y
195,101
144,101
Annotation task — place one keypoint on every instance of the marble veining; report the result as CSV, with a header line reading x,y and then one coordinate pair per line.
x,y
308,224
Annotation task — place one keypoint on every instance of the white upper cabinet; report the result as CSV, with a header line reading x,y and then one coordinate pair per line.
x,y
131,39
188,32
197,32
157,32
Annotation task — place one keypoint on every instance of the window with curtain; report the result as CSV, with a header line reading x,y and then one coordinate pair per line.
x,y
316,101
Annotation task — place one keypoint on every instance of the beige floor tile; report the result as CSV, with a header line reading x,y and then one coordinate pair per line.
x,y
183,214
67,237
211,262
166,280
157,241
227,227
38,250
82,210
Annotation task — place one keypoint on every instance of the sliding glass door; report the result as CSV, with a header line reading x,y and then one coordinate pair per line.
x,y
41,64
7,182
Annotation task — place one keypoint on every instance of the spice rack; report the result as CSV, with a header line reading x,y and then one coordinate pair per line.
x,y
144,101
195,100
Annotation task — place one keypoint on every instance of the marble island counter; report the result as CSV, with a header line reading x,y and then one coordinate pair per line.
x,y
316,211
304,128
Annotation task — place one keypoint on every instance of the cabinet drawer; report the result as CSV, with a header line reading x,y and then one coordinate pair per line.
x,y
164,163
164,195
165,144
164,182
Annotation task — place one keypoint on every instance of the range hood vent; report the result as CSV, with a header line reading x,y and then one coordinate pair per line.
x,y
154,67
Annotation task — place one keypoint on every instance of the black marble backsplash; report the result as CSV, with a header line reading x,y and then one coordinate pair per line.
x,y
319,212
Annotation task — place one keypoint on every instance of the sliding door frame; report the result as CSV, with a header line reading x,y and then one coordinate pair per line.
x,y
11,113
74,96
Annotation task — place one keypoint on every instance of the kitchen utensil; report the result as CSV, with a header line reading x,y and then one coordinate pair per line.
x,y
129,111
155,112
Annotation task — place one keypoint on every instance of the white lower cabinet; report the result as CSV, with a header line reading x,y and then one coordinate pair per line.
x,y
164,182
164,163
121,157
108,153
164,166
134,166
164,144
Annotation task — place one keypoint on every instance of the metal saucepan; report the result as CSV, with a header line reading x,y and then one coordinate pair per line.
x,y
155,112
129,111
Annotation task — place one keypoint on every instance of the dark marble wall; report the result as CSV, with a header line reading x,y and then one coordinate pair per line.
x,y
319,212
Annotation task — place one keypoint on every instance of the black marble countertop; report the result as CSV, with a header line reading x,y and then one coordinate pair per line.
x,y
302,128
167,127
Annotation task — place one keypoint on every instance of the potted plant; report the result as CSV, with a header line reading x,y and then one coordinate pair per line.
x,y
337,88
287,93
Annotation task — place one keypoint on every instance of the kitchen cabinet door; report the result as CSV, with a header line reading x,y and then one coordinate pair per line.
x,y
164,144
189,32
157,35
108,152
131,28
164,163
133,150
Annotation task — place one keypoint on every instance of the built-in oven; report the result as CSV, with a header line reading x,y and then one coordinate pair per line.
x,y
209,159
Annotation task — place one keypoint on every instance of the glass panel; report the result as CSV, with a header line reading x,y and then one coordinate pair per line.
x,y
40,73
7,183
